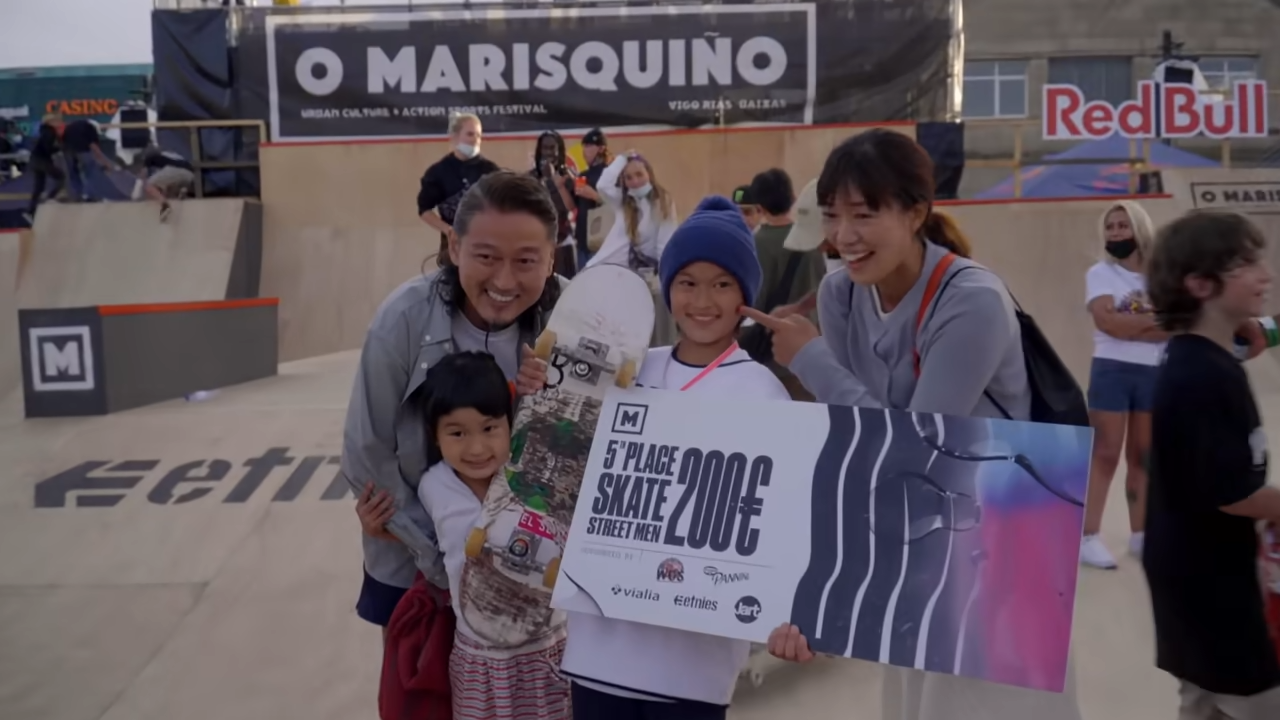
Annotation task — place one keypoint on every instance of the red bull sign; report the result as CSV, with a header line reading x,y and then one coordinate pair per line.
x,y
1159,111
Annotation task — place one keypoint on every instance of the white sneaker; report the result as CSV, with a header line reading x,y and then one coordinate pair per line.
x,y
1094,554
1135,544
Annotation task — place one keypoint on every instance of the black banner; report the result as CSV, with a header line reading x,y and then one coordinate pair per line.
x,y
392,73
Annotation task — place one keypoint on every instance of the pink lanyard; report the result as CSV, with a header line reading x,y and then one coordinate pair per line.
x,y
707,370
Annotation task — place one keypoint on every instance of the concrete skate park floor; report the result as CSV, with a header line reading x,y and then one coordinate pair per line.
x,y
208,602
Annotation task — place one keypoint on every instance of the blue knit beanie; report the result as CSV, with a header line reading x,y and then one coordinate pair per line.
x,y
714,233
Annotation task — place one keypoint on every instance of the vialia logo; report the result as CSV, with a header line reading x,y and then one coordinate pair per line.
x,y
636,593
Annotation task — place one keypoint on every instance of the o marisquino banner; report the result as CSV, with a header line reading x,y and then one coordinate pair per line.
x,y
395,74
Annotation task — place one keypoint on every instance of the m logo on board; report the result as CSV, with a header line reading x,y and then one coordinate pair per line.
x,y
629,418
61,359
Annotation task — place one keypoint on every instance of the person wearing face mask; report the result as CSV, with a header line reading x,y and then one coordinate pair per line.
x,y
646,218
1128,345
444,183
883,346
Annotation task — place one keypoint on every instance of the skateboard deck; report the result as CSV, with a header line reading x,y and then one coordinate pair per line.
x,y
596,339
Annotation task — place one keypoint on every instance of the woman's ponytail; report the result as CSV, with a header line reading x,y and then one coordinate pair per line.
x,y
942,229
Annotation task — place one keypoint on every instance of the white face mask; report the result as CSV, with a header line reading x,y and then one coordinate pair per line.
x,y
641,192
467,151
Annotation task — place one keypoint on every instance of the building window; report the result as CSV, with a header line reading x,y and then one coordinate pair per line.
x,y
1222,73
1099,78
995,89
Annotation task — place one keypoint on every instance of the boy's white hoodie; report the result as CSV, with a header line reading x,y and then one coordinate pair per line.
x,y
637,660
653,230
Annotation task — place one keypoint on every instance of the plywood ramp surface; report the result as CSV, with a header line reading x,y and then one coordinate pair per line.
x,y
120,253
342,227
13,247
1042,250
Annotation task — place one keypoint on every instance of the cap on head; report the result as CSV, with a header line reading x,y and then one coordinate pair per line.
x,y
716,233
595,136
742,195
806,229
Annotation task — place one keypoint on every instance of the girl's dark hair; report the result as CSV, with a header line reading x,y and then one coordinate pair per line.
x,y
1205,243
504,192
889,169
537,153
773,191
460,381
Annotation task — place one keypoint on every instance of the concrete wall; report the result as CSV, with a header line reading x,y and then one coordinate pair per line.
x,y
1034,30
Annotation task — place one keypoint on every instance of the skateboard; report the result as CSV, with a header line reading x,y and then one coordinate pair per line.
x,y
596,339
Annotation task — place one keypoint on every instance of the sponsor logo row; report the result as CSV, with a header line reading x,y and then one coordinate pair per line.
x,y
671,570
746,609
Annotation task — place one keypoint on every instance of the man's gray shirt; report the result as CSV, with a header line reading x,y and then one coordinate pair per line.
x,y
382,441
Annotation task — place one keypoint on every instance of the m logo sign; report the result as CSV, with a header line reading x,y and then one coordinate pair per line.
x,y
629,418
61,359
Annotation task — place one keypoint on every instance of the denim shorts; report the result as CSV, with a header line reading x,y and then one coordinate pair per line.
x,y
378,600
1118,386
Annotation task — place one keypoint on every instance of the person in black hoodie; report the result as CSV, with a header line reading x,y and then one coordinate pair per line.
x,y
551,168
595,150
445,182
43,166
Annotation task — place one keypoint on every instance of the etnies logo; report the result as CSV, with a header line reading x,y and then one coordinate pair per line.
x,y
695,602
636,593
747,610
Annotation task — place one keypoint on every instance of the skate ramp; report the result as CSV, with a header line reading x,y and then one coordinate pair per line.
x,y
121,254
1042,250
12,250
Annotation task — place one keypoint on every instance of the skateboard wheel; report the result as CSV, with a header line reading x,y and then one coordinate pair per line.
x,y
549,575
626,376
475,542
545,344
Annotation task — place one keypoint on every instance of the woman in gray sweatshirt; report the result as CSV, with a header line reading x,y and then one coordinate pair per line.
x,y
876,195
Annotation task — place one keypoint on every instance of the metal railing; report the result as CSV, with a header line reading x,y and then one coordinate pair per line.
x,y
198,163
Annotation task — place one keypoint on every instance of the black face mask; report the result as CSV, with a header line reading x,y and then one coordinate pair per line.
x,y
1121,249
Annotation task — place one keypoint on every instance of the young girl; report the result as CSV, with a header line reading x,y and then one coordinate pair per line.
x,y
646,218
622,669
468,417
876,192
1127,349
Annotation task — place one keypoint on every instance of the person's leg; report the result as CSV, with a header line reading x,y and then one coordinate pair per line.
x,y
75,178
38,179
93,175
684,710
1195,703
1108,414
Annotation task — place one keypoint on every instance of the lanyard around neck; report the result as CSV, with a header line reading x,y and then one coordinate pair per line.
x,y
706,370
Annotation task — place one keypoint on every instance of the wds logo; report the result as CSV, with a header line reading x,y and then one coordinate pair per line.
x,y
629,418
61,358
718,577
671,570
747,610
636,593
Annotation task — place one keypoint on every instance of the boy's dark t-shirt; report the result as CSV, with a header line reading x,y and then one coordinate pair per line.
x,y
79,136
444,183
46,143
1208,450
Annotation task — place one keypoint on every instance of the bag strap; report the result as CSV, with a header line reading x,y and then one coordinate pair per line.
x,y
783,288
930,290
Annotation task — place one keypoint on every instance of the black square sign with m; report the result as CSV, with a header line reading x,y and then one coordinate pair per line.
x,y
629,418
62,362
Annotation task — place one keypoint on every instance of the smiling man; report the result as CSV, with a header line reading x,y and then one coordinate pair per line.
x,y
493,297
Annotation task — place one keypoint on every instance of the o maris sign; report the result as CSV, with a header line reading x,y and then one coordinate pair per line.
x,y
1160,111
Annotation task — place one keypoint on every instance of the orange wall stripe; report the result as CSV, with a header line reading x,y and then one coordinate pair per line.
x,y
105,310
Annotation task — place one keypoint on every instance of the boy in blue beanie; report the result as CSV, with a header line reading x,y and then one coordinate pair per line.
x,y
622,669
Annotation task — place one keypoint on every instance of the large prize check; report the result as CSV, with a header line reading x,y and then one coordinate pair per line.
x,y
934,542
